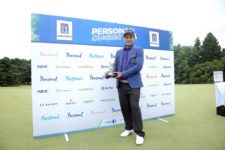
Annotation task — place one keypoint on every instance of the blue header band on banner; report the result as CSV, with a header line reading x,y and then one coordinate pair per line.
x,y
64,30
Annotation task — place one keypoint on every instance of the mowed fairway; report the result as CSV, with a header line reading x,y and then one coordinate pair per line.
x,y
195,125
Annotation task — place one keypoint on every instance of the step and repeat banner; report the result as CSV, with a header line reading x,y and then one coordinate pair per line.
x,y
69,59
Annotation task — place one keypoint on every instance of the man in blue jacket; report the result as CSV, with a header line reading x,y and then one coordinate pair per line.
x,y
128,64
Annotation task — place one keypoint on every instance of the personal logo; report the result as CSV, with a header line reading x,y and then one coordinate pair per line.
x,y
73,55
49,117
47,54
149,76
91,55
164,58
165,75
97,112
48,79
150,57
151,105
95,77
165,103
75,115
73,78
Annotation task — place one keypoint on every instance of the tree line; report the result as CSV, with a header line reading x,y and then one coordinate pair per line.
x,y
195,64
15,71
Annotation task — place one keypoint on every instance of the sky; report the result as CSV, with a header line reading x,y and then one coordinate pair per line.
x,y
187,19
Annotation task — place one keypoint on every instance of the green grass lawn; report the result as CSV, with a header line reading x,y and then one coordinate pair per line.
x,y
195,125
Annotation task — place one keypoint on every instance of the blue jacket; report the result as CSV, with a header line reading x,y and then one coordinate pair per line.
x,y
135,64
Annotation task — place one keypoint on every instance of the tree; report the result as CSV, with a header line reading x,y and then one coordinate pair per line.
x,y
4,66
182,68
223,52
197,44
203,73
211,49
194,56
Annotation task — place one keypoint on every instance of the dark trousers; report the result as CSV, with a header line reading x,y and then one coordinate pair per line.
x,y
129,103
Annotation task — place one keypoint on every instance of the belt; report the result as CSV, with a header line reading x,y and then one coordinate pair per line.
x,y
124,81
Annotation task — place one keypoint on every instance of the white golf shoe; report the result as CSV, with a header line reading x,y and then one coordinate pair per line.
x,y
139,140
126,133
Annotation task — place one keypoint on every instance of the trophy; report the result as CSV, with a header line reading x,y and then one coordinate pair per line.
x,y
110,73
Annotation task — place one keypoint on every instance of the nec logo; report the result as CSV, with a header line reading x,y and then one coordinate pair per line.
x,y
64,30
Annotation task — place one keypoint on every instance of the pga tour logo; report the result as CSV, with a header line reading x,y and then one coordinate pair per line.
x,y
154,38
64,30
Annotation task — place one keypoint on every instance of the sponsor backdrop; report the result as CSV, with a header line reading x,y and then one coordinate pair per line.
x,y
69,59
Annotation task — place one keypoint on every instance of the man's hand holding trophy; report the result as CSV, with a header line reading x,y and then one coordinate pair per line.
x,y
111,73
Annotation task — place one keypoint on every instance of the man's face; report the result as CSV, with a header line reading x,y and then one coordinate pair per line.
x,y
129,40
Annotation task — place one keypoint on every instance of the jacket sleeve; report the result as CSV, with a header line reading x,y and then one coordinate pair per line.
x,y
137,67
